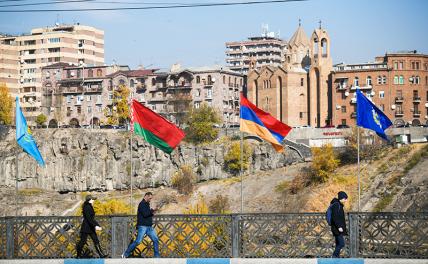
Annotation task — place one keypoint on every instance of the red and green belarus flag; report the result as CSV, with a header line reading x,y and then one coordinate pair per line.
x,y
154,128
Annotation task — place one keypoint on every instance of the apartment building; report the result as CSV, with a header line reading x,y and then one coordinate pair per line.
x,y
265,50
22,58
396,82
77,96
172,93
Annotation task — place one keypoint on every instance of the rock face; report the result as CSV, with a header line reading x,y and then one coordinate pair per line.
x,y
91,160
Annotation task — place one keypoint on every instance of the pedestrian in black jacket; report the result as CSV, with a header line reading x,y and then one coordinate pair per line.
x,y
338,223
144,226
89,228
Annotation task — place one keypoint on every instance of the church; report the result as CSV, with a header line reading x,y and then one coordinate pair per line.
x,y
297,92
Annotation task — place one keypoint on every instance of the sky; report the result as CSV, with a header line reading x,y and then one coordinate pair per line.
x,y
359,29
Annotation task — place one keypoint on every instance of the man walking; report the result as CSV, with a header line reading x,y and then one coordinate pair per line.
x,y
338,223
144,226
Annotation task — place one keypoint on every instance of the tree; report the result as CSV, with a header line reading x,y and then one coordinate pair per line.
x,y
232,159
201,124
120,112
6,105
184,179
324,162
41,120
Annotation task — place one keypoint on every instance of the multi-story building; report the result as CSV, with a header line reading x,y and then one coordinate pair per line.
x,y
75,95
22,58
265,50
173,93
396,82
296,92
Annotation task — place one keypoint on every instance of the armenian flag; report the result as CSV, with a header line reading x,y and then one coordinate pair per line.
x,y
154,128
258,122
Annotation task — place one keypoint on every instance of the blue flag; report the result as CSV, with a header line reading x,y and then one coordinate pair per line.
x,y
24,136
371,117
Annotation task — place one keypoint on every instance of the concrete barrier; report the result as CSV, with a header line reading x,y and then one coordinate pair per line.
x,y
214,261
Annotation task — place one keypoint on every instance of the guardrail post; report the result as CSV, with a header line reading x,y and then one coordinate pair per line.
x,y
353,235
9,238
119,235
236,240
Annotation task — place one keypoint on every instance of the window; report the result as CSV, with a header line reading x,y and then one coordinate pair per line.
x,y
415,94
381,94
90,73
88,98
343,121
110,96
302,81
99,98
131,83
382,107
153,81
197,105
369,81
379,79
198,92
210,82
209,93
89,109
99,73
395,79
356,81
401,79
343,96
417,80
79,73
198,79
384,79
301,115
224,79
413,65
54,40
395,65
343,108
99,109
401,65
68,99
79,109
417,65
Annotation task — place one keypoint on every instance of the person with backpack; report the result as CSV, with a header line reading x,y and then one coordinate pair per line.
x,y
336,219
145,226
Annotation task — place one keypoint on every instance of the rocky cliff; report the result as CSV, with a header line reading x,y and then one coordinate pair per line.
x,y
90,160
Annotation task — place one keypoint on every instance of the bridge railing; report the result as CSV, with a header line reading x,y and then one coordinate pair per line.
x,y
371,235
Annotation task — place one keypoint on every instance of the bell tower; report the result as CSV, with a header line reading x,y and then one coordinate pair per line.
x,y
320,112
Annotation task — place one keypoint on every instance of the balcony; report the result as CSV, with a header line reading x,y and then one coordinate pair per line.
x,y
366,87
98,89
72,90
157,99
416,113
417,99
399,113
187,86
177,98
78,103
399,99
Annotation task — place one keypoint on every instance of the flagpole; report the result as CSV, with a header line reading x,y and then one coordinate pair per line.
x,y
130,151
358,168
16,184
242,171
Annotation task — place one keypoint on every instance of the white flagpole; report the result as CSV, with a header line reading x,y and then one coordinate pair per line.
x,y
242,172
130,151
358,169
16,185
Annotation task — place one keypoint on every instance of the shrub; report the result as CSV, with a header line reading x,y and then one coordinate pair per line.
x,y
220,205
109,207
324,162
41,119
232,159
184,179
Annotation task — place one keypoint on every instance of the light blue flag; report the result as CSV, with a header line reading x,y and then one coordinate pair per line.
x,y
371,117
24,136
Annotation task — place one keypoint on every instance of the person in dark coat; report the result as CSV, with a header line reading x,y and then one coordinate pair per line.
x,y
144,226
338,222
89,228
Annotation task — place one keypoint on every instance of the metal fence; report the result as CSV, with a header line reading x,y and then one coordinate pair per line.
x,y
371,235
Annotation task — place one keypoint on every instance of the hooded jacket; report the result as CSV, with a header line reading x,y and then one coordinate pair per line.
x,y
338,218
89,223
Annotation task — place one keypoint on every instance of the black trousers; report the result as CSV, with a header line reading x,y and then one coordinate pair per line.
x,y
84,238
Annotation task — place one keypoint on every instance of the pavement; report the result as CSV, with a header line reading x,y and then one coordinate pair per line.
x,y
214,261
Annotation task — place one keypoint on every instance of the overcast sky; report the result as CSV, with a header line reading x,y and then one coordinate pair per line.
x,y
359,29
